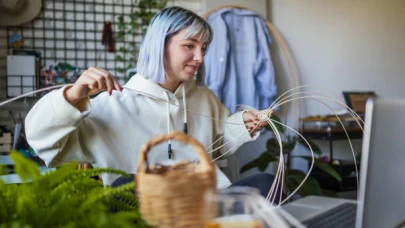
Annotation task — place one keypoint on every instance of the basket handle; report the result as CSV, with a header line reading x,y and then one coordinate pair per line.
x,y
178,136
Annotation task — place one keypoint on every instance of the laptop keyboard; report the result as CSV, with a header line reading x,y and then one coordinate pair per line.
x,y
341,216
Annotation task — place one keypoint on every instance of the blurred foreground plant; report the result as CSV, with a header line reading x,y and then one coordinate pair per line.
x,y
65,197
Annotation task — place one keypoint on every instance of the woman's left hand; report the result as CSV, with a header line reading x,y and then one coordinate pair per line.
x,y
255,121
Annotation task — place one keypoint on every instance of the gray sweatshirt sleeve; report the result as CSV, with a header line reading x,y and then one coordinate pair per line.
x,y
53,130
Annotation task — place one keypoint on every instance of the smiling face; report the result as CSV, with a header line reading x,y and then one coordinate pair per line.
x,y
183,57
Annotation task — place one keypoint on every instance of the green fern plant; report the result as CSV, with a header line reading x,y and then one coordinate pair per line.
x,y
65,197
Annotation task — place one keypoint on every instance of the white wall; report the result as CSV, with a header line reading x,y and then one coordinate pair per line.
x,y
345,45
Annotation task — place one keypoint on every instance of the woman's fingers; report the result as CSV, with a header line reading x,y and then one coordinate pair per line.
x,y
249,116
117,86
255,121
255,126
103,80
112,83
92,81
264,114
262,124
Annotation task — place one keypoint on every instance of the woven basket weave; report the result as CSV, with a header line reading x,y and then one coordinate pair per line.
x,y
174,196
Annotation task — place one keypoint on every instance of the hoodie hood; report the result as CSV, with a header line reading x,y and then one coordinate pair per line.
x,y
148,88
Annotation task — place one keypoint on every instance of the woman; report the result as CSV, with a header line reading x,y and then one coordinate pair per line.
x,y
109,130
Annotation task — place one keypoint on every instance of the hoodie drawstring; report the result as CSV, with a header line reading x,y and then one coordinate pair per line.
x,y
184,111
169,145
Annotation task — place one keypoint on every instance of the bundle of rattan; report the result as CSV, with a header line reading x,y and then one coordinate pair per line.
x,y
174,196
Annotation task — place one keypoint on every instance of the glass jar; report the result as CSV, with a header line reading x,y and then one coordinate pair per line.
x,y
234,207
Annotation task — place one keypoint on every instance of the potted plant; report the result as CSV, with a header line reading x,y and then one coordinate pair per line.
x,y
65,197
292,177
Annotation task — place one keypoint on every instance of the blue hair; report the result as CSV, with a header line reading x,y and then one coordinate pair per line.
x,y
162,27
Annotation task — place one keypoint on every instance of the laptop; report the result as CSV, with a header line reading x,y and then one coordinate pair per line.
x,y
381,193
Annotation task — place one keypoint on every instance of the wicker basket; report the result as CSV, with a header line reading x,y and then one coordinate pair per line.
x,y
174,196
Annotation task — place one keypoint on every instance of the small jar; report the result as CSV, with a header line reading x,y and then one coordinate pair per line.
x,y
234,207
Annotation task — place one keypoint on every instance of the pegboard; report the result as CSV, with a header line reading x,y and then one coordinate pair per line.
x,y
70,31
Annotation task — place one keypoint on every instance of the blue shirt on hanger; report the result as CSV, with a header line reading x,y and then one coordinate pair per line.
x,y
239,69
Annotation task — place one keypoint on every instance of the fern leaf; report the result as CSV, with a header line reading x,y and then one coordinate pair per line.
x,y
25,168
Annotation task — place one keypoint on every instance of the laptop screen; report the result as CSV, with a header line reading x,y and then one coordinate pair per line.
x,y
381,195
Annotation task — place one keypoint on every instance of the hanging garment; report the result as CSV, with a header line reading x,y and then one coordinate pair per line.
x,y
108,37
238,61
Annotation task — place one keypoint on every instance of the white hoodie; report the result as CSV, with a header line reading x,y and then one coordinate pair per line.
x,y
112,129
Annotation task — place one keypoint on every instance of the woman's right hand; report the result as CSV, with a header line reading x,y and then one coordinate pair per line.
x,y
92,81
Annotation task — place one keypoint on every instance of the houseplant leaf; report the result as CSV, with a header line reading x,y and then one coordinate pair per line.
x,y
261,162
26,168
279,127
323,166
273,147
315,148
310,186
289,146
65,197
